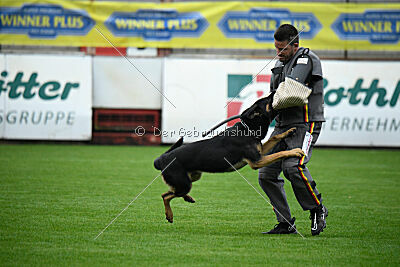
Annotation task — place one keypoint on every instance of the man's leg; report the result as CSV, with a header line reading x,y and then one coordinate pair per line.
x,y
302,182
273,186
295,169
303,185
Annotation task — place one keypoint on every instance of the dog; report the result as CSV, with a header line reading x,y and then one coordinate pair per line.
x,y
228,151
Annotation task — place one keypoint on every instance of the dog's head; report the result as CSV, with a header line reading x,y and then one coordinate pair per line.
x,y
260,115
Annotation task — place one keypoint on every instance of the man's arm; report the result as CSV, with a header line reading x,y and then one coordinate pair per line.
x,y
302,70
294,91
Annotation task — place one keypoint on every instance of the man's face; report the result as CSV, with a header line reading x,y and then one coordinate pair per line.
x,y
285,52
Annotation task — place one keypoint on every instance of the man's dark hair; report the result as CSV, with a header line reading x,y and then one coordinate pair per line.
x,y
287,32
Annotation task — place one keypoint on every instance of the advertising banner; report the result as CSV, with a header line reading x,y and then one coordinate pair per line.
x,y
362,106
116,84
324,26
46,97
3,97
204,92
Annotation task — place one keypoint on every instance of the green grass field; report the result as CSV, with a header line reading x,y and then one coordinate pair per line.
x,y
55,199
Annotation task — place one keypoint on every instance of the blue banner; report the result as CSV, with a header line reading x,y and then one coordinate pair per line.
x,y
161,25
377,26
44,21
261,23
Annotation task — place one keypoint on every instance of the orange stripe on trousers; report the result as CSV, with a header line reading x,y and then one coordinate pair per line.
x,y
308,185
301,170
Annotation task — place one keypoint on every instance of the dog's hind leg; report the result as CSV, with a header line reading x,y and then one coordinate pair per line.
x,y
180,184
189,199
194,176
167,197
167,194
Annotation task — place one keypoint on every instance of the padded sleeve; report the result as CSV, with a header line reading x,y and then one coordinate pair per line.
x,y
301,72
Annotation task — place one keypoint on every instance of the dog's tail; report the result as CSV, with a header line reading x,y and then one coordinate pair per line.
x,y
219,124
176,145
158,162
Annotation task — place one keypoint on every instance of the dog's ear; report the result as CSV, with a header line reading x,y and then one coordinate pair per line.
x,y
250,112
268,105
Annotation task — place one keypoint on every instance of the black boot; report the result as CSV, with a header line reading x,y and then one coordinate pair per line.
x,y
318,219
283,228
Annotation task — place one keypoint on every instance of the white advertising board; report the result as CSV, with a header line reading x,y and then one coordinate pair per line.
x,y
46,97
361,98
362,105
3,96
197,90
118,84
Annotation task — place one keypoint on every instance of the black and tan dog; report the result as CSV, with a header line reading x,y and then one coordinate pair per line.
x,y
237,146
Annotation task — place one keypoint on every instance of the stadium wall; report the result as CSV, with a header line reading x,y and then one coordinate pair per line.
x,y
45,97
51,97
361,98
62,79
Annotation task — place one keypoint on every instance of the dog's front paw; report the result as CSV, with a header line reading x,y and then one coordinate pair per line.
x,y
290,132
297,152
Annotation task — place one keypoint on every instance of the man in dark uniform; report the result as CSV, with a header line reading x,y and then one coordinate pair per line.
x,y
302,68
